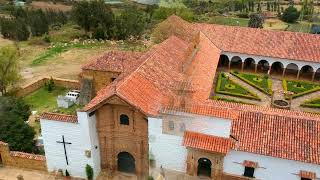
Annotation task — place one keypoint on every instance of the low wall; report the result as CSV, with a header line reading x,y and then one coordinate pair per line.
x,y
31,87
20,159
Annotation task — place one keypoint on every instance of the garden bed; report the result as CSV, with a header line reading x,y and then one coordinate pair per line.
x,y
299,88
228,87
262,83
313,103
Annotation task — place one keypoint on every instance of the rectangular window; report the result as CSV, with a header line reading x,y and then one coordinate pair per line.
x,y
248,171
171,125
182,127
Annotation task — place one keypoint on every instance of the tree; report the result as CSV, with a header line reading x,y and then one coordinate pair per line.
x,y
90,15
38,23
89,172
14,130
14,29
9,68
290,15
256,20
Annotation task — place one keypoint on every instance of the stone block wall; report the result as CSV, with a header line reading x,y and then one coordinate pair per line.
x,y
31,87
20,159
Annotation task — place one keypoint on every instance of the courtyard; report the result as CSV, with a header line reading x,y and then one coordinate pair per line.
x,y
243,80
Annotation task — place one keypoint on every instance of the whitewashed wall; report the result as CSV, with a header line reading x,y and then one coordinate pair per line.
x,y
82,135
273,168
168,149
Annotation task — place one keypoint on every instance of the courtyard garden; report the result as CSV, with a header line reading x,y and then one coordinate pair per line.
x,y
228,87
299,88
261,82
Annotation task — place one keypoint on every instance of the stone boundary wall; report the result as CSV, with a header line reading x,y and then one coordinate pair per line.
x,y
31,87
21,159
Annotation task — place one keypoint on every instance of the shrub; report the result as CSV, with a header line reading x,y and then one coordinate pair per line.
x,y
46,38
290,15
150,178
256,20
49,85
243,15
89,172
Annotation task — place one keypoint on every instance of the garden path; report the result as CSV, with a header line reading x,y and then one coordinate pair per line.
x,y
265,100
277,89
296,102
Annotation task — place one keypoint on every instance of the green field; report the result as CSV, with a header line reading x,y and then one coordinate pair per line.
x,y
299,88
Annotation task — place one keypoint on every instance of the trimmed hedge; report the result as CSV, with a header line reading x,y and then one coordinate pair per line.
x,y
234,93
267,90
287,88
313,103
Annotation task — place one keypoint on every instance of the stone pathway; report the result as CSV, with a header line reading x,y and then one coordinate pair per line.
x,y
265,100
277,89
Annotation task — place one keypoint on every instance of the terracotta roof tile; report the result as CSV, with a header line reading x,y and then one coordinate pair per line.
x,y
278,136
28,156
250,164
308,174
59,117
115,61
207,142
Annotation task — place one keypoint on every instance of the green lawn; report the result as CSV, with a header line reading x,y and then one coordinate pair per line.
x,y
299,88
313,103
231,21
262,83
226,86
44,101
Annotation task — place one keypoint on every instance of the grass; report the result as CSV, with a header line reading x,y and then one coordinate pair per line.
x,y
262,83
44,101
228,87
299,88
230,21
59,48
313,103
300,27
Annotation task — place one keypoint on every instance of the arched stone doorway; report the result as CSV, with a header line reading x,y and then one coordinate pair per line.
x,y
126,162
306,72
223,61
236,63
291,70
276,68
263,66
204,167
249,64
317,75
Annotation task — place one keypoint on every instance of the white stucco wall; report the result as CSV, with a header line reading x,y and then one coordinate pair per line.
x,y
272,168
168,149
82,135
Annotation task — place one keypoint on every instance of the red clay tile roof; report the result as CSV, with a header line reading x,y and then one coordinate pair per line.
x,y
28,156
59,117
269,43
278,136
250,164
115,61
308,174
207,142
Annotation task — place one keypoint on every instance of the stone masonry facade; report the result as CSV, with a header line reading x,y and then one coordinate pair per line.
x,y
115,138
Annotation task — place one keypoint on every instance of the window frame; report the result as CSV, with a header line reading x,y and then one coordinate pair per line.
x,y
125,122
246,169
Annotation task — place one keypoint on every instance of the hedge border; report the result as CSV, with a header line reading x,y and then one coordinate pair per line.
x,y
308,103
230,100
285,88
269,82
253,97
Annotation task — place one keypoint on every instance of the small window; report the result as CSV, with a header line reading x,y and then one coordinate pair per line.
x,y
171,125
182,127
124,119
248,171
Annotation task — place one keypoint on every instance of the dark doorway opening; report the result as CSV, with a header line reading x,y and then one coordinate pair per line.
x,y
223,61
126,162
248,171
1,163
204,167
